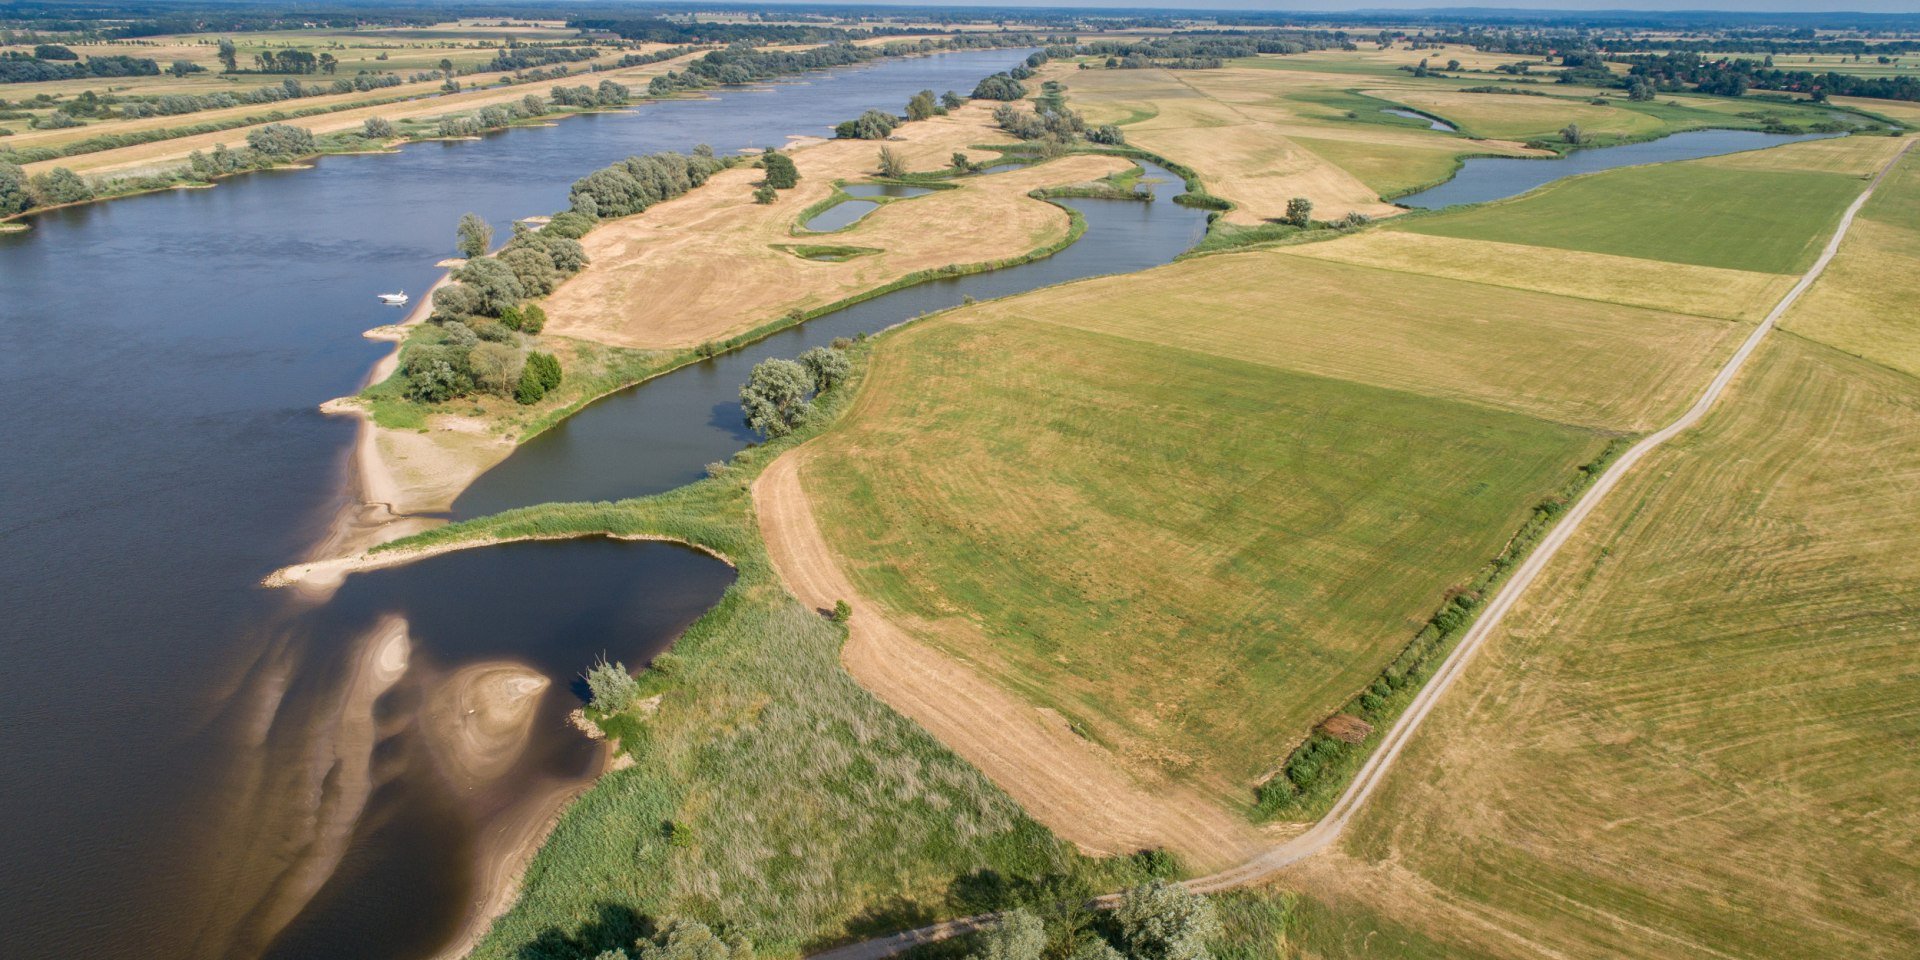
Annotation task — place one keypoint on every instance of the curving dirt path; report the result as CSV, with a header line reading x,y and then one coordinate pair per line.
x,y
1327,831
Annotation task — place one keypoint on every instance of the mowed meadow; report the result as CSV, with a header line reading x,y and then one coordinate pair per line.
x,y
1197,509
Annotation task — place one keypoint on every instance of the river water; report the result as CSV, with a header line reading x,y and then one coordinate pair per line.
x,y
188,755
1484,179
201,768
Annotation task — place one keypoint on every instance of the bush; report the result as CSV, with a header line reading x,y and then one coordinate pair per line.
x,y
436,373
891,163
281,140
765,194
533,320
1299,212
378,128
473,235
1000,86
1164,921
1018,935
58,186
496,368
825,367
842,611
611,688
539,377
1107,134
15,196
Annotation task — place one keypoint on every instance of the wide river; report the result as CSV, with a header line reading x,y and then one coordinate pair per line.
x,y
198,767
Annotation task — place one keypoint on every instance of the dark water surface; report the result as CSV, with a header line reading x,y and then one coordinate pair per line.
x,y
1431,123
165,724
1483,179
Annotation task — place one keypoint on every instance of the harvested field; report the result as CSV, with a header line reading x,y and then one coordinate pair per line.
x,y
1089,521
1574,361
1655,284
712,264
1768,221
1522,118
1864,305
1696,740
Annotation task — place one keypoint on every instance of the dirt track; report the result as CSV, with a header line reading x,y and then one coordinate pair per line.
x,y
774,516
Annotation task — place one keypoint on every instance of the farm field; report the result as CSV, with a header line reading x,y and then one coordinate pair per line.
x,y
1694,740
162,154
1772,221
714,263
1864,305
1114,545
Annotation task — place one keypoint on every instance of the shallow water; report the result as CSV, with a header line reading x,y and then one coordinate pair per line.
x,y
842,214
162,718
1431,123
1484,179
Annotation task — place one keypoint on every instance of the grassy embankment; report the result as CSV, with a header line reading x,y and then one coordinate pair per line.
x,y
771,796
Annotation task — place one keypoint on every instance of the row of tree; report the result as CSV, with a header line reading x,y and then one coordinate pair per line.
x,y
20,193
20,68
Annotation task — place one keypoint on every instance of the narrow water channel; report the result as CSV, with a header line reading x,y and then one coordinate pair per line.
x,y
1484,179
662,433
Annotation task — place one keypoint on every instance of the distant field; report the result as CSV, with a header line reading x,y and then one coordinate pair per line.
x,y
1696,738
1194,556
1865,303
1655,284
711,264
1694,212
1525,118
1574,361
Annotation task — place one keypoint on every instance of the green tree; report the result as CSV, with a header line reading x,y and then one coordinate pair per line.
x,y
775,397
952,101
435,373
538,377
680,939
611,688
229,57
14,194
1571,133
781,173
960,162
923,105
493,283
874,125
1299,212
378,128
281,140
473,236
1019,935
825,367
58,186
891,163
765,194
495,368
1165,921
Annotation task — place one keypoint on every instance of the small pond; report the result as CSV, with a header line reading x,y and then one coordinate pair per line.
x,y
1429,121
847,213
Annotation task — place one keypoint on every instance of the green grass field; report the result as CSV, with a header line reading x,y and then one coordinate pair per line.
x,y
1694,212
1696,738
771,796
1196,557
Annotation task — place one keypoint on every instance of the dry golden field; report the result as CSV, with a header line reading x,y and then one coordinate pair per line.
x,y
1866,303
710,264
1695,738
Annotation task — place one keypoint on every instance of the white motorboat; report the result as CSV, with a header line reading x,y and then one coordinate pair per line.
x,y
394,299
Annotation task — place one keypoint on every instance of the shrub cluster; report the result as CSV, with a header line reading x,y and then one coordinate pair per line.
x,y
872,125
778,393
636,183
20,193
